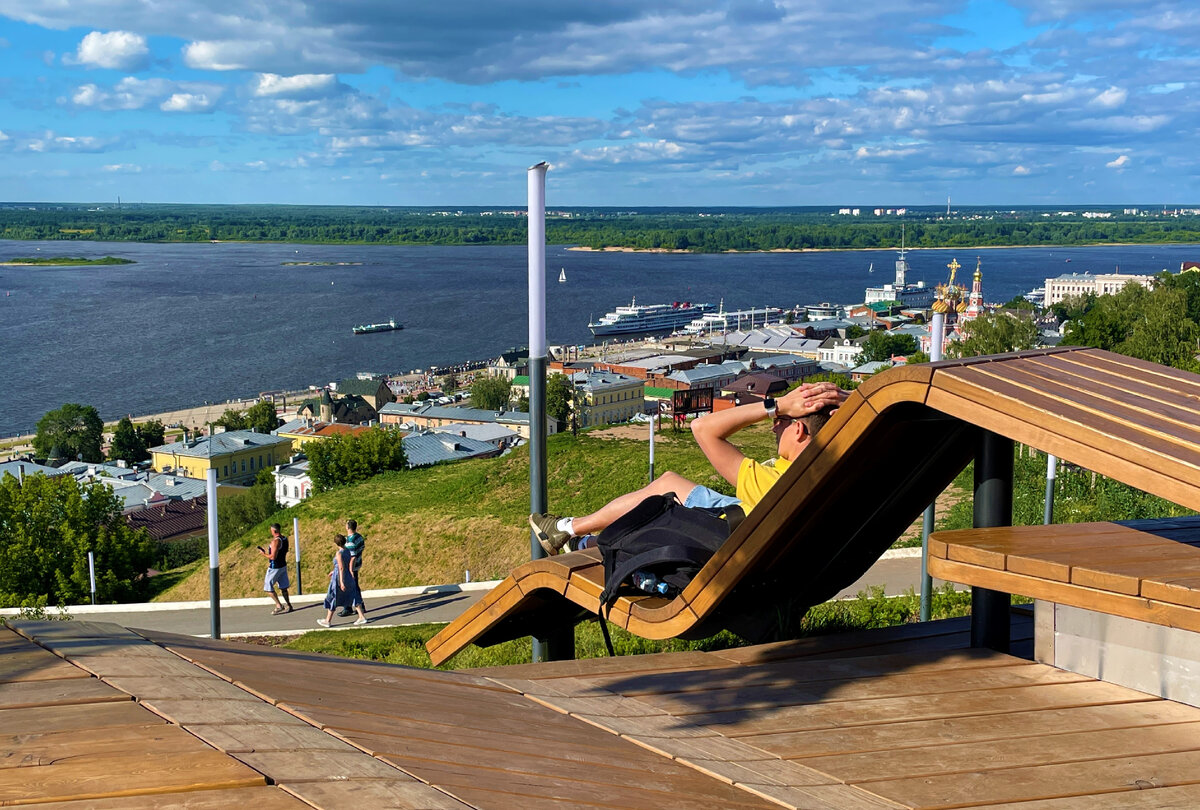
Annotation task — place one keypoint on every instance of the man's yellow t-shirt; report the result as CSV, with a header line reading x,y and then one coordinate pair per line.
x,y
753,480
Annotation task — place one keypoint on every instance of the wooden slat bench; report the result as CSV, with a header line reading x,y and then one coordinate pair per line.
x,y
837,509
1148,570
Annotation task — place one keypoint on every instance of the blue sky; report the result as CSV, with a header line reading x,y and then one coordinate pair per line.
x,y
746,102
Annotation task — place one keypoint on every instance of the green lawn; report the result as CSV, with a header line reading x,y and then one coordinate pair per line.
x,y
428,526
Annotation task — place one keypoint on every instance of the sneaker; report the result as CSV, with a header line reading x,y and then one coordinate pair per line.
x,y
361,620
277,611
343,612
323,622
545,528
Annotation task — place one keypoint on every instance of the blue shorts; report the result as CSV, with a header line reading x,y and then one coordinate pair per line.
x,y
276,576
702,497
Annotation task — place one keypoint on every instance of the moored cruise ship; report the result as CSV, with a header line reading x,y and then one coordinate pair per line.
x,y
723,321
647,318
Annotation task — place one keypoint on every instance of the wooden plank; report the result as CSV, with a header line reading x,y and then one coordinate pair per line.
x,y
259,798
87,777
1141,372
1184,797
32,663
187,712
511,787
35,748
1042,782
977,729
1170,415
27,694
1086,417
308,765
935,685
76,716
375,793
738,723
1118,604
1016,752
240,738
1068,442
790,673
1178,590
196,688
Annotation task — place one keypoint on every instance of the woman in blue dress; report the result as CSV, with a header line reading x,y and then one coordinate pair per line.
x,y
343,587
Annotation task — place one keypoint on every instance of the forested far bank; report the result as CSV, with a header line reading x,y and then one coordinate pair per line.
x,y
705,232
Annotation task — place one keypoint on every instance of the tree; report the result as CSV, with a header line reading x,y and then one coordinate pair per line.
x,y
232,420
242,511
127,444
71,432
262,416
994,333
152,433
49,525
490,393
885,346
854,331
560,393
1162,332
349,459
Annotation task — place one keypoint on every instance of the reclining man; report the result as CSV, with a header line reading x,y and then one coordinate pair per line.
x,y
797,416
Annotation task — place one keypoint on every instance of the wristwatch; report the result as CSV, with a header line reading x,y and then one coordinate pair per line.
x,y
769,404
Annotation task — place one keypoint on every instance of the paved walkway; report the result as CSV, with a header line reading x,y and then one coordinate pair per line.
x,y
898,571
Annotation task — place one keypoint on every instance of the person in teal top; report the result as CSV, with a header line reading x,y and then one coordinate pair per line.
x,y
354,544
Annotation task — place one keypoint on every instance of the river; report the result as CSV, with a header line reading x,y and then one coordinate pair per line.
x,y
190,323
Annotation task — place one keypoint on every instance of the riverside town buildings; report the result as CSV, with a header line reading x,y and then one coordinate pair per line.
x,y
236,455
1072,284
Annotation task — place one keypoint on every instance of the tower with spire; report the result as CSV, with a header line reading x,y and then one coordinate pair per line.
x,y
975,303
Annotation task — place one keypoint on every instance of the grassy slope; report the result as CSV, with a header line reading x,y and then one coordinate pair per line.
x,y
427,526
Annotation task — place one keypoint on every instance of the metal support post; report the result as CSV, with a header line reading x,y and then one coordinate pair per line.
x,y
990,610
1051,469
937,333
296,546
92,574
652,450
558,643
214,563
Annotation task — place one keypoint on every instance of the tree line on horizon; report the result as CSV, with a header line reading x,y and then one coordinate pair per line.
x,y
730,231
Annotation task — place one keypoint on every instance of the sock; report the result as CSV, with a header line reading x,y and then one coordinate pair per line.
x,y
567,525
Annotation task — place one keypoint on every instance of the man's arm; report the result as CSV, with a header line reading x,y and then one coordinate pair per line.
x,y
712,430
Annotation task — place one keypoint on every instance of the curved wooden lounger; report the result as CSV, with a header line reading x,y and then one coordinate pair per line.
x,y
896,443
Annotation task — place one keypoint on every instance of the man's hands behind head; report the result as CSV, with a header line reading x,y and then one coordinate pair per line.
x,y
810,398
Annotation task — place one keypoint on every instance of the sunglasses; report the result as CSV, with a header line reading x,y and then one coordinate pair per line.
x,y
781,423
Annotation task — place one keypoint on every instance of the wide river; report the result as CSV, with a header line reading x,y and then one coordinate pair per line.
x,y
193,323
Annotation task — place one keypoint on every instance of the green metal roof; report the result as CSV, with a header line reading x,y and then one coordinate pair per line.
x,y
659,393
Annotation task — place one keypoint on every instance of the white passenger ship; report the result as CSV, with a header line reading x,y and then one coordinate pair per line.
x,y
647,318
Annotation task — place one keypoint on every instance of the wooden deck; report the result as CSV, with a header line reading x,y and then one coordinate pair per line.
x,y
95,716
827,520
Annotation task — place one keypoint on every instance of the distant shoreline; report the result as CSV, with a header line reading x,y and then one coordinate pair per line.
x,y
64,261
967,248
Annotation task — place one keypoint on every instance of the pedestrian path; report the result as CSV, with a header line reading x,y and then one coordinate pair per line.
x,y
897,571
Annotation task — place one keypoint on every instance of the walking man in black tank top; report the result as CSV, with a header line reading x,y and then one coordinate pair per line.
x,y
277,575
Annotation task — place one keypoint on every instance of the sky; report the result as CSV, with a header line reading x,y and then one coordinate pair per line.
x,y
653,102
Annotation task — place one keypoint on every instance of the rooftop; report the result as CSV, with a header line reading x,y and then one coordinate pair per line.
x,y
221,444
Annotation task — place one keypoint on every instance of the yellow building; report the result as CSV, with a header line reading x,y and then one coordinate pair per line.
x,y
301,431
236,455
605,398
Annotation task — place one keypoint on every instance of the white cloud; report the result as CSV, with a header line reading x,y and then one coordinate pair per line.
x,y
230,54
188,102
1119,163
1112,97
305,85
123,168
116,50
132,93
49,142
1021,171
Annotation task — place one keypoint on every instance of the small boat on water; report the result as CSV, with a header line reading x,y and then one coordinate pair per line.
x,y
368,328
562,275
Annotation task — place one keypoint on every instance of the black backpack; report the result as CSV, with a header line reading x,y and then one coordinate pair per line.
x,y
663,537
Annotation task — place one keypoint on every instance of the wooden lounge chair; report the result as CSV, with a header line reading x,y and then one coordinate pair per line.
x,y
896,443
